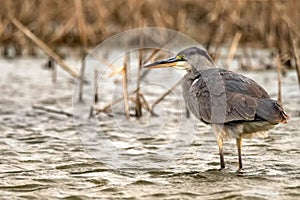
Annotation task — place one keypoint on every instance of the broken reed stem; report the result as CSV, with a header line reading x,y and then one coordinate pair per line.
x,y
91,114
101,60
278,69
233,47
125,87
291,25
145,103
105,108
164,95
52,110
246,58
81,80
217,52
138,108
53,68
296,54
296,31
154,53
96,95
82,33
54,74
81,22
43,46
235,42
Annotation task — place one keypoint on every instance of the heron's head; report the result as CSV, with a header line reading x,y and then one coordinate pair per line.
x,y
190,59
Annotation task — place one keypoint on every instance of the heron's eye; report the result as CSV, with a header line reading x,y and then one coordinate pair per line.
x,y
180,57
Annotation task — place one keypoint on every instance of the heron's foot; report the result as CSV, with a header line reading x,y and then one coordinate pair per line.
x,y
240,170
222,168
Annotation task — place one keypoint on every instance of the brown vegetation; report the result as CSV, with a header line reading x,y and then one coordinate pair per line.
x,y
261,23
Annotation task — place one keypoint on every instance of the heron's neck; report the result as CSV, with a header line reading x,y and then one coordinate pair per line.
x,y
200,63
191,76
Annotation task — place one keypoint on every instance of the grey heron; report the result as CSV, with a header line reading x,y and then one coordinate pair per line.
x,y
234,105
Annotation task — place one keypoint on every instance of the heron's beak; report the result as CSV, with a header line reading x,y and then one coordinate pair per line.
x,y
169,62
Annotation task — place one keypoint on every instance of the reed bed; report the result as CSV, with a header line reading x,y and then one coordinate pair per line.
x,y
264,23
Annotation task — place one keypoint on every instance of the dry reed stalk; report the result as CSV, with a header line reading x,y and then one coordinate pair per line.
x,y
217,52
43,46
96,95
81,79
52,110
154,53
81,22
54,70
102,60
158,19
138,108
108,106
162,97
233,48
247,57
181,20
103,13
296,54
3,26
125,87
64,29
145,103
213,19
291,25
91,114
83,37
278,69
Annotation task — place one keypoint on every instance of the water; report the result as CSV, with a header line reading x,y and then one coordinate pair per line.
x,y
44,157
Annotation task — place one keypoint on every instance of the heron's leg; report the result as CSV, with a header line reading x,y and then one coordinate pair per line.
x,y
220,145
187,112
239,147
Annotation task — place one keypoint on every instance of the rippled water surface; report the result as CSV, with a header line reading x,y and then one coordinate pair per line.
x,y
44,156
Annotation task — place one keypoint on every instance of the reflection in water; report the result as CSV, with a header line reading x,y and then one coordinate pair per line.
x,y
42,155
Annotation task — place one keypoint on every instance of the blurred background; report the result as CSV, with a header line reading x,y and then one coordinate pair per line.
x,y
264,23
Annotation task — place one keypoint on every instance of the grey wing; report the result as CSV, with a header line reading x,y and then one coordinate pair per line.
x,y
239,99
238,83
271,110
227,106
254,102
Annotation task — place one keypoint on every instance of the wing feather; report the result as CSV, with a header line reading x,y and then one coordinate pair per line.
x,y
235,98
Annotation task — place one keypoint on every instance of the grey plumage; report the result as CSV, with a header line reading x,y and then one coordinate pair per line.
x,y
245,99
234,105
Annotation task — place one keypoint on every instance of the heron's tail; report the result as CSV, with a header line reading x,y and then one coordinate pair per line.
x,y
285,117
271,110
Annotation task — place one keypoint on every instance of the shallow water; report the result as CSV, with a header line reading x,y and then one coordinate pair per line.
x,y
44,156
